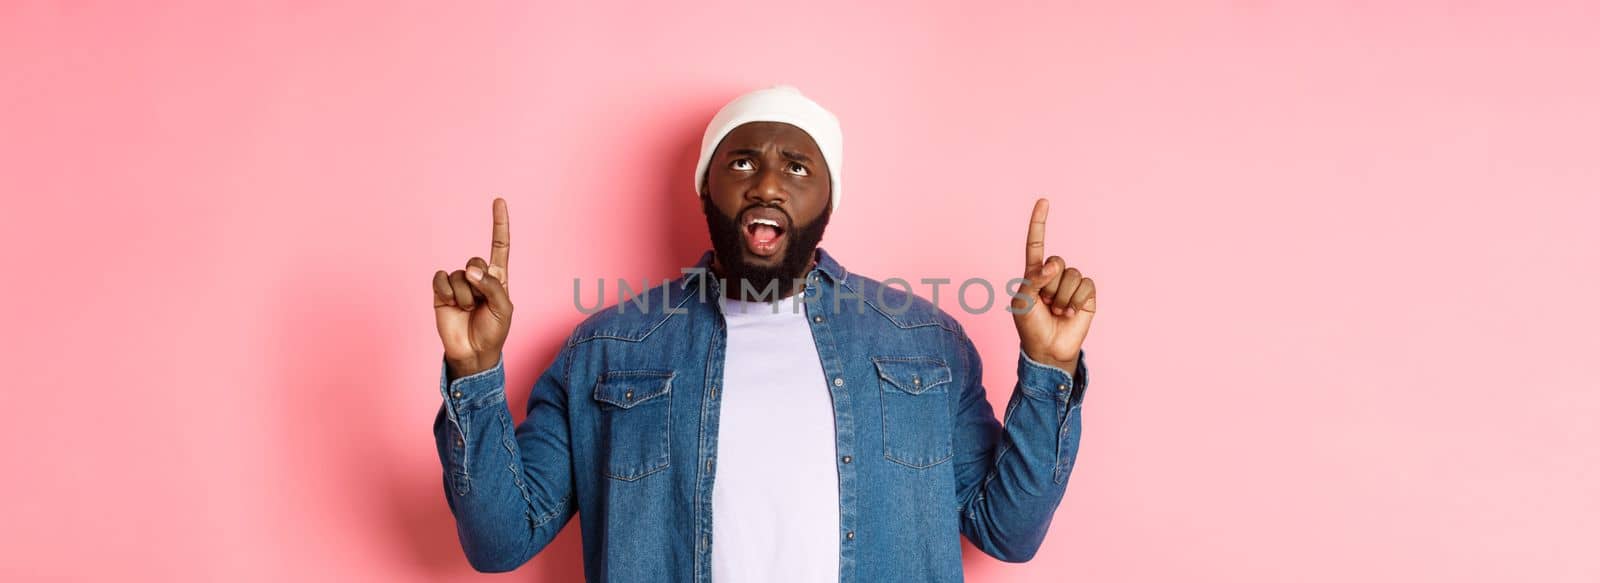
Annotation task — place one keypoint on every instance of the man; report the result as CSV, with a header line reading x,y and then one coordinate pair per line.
x,y
833,429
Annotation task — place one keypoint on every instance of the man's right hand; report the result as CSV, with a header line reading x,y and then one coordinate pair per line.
x,y
472,306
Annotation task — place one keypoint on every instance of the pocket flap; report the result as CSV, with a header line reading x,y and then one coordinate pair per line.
x,y
626,388
912,374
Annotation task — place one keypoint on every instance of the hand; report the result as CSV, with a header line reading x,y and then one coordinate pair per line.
x,y
472,306
1059,302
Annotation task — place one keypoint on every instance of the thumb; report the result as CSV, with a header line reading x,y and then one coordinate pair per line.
x,y
1040,276
1033,281
493,291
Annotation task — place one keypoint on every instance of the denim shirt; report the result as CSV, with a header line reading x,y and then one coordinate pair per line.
x,y
623,426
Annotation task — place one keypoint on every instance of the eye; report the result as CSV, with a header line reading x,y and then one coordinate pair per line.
x,y
799,169
742,164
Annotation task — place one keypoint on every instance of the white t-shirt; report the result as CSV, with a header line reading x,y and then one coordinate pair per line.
x,y
775,500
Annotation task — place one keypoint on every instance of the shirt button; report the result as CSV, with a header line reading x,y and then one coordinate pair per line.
x,y
847,459
459,442
817,319
1061,388
838,381
709,463
628,395
456,394
713,393
850,535
916,381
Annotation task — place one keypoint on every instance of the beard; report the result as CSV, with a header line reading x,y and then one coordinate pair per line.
x,y
727,241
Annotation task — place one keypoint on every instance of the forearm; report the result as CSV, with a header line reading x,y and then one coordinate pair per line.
x,y
501,518
1011,509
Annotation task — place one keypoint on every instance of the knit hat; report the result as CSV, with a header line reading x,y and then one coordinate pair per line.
x,y
784,104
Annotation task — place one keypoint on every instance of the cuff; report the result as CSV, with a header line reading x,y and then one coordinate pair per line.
x,y
1051,382
475,388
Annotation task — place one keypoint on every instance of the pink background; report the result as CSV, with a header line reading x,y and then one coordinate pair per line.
x,y
1346,253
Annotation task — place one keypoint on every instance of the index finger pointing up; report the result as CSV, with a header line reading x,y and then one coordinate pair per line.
x,y
500,246
1041,211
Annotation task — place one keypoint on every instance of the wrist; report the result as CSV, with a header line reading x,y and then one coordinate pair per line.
x,y
456,369
1067,365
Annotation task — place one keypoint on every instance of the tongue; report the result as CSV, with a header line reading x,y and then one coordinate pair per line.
x,y
764,234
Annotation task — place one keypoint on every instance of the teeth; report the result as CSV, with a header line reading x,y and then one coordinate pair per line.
x,y
768,222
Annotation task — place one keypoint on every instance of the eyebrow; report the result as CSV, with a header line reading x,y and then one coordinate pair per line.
x,y
796,156
754,153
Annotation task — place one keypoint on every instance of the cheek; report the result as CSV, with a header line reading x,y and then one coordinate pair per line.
x,y
817,194
728,206
722,191
822,186
812,210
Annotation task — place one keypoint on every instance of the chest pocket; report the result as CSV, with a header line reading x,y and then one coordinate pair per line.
x,y
916,409
635,422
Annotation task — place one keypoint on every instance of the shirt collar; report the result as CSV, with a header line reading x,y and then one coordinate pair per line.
x,y
829,267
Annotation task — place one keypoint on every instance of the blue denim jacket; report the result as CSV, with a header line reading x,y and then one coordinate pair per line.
x,y
623,426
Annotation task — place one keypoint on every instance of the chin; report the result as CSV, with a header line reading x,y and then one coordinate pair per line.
x,y
752,260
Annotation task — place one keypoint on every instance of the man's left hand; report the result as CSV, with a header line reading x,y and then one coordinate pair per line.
x,y
1059,302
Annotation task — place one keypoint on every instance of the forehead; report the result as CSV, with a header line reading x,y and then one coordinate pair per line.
x,y
760,135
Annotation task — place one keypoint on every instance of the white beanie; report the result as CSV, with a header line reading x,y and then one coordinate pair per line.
x,y
783,104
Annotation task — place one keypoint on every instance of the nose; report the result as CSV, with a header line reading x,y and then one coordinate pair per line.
x,y
767,188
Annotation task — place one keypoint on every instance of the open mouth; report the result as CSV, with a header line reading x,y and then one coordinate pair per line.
x,y
764,230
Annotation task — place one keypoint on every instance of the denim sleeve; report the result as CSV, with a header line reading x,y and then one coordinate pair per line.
x,y
510,488
1010,478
